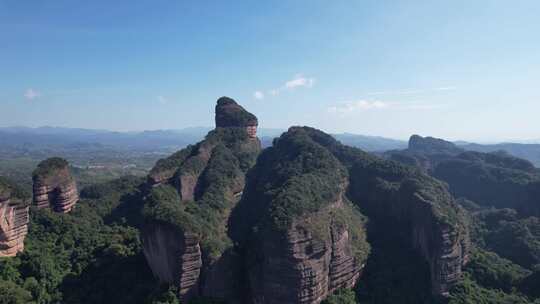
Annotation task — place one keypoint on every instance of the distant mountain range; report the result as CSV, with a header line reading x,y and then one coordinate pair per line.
x,y
167,140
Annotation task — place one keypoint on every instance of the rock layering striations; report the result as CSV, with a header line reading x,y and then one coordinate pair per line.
x,y
301,237
416,204
299,267
54,187
173,256
297,234
409,201
13,223
197,187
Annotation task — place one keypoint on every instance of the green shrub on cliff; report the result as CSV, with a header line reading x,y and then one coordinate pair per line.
x,y
11,293
469,292
511,237
490,270
294,177
214,195
342,296
49,166
172,162
163,204
7,186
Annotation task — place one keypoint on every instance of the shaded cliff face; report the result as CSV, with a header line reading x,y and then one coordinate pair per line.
x,y
13,220
301,237
489,179
432,145
190,196
173,256
425,152
415,203
493,179
54,187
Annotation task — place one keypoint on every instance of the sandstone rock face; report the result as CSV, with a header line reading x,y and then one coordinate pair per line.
x,y
13,224
424,208
411,202
174,257
230,114
209,176
299,267
54,187
252,131
301,236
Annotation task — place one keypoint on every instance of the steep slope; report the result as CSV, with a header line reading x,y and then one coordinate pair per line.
x,y
413,202
425,152
53,186
493,179
188,203
301,236
293,194
489,179
13,219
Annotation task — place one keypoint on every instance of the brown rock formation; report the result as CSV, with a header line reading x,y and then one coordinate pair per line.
x,y
413,203
54,187
230,114
13,223
174,257
304,267
302,238
174,249
422,207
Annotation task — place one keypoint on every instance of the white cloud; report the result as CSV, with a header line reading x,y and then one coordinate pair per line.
x,y
162,100
31,94
357,105
298,81
258,95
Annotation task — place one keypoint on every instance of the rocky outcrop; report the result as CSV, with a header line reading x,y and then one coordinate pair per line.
x,y
185,237
425,152
230,114
301,237
174,257
411,202
422,208
54,187
494,179
300,266
432,145
13,222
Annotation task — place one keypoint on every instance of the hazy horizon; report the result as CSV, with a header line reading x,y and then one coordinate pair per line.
x,y
459,70
277,131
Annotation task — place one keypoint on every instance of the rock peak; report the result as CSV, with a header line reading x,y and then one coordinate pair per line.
x,y
53,186
231,114
432,145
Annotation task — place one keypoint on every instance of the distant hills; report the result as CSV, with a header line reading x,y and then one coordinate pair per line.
x,y
169,140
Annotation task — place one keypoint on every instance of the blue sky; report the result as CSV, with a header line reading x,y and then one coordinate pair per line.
x,y
454,69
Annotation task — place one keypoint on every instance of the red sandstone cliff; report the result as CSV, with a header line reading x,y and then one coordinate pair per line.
x,y
13,224
54,187
174,252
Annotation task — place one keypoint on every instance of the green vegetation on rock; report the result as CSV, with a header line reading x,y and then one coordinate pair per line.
x,y
232,153
49,166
